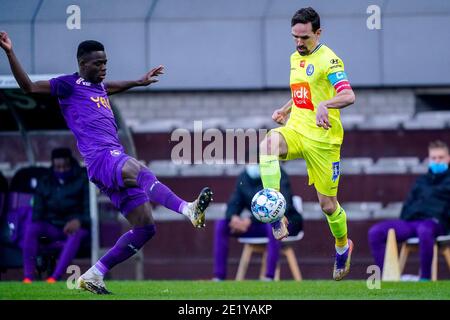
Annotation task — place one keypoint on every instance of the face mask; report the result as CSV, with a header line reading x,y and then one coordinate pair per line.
x,y
253,171
438,167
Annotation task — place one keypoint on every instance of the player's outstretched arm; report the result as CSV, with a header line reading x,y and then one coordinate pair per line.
x,y
21,76
113,87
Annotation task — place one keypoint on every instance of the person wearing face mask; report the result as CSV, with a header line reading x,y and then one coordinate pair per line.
x,y
60,213
425,213
248,183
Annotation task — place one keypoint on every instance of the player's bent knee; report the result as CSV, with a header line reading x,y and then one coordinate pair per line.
x,y
328,208
263,146
272,145
140,216
145,234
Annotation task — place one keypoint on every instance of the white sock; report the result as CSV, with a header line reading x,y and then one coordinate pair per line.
x,y
93,270
341,250
185,209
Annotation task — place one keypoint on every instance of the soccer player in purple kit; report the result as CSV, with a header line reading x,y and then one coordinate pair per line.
x,y
83,98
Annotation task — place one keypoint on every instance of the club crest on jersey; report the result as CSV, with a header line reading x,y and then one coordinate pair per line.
x,y
310,69
336,171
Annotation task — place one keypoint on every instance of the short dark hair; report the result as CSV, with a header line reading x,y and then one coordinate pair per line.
x,y
305,15
437,144
59,153
89,46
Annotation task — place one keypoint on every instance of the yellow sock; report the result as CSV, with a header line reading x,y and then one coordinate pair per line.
x,y
341,242
270,171
338,226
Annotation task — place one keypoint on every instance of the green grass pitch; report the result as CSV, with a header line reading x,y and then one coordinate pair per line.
x,y
255,290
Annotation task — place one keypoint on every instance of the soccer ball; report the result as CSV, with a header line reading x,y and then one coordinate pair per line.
x,y
268,205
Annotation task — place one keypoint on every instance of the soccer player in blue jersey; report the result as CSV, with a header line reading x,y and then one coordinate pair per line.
x,y
83,97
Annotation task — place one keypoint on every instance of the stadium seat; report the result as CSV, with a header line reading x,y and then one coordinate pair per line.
x,y
394,264
295,167
162,125
393,165
234,169
164,168
258,245
442,245
5,166
391,211
429,120
381,122
13,226
355,165
202,170
361,210
352,121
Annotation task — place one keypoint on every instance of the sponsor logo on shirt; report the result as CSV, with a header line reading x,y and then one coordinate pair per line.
x,y
301,95
101,101
336,171
334,61
84,83
336,66
115,153
310,69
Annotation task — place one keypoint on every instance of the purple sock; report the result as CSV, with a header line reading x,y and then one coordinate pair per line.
x,y
159,192
127,245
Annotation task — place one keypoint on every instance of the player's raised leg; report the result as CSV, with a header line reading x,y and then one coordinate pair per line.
x,y
135,174
337,221
272,148
127,245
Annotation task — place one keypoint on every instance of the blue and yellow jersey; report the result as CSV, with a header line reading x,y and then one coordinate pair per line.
x,y
315,78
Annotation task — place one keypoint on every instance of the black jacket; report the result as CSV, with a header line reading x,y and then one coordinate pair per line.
x,y
58,203
247,187
429,198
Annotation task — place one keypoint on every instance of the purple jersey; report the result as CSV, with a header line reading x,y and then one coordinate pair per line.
x,y
88,114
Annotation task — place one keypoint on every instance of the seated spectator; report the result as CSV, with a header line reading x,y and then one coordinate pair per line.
x,y
425,213
60,213
248,184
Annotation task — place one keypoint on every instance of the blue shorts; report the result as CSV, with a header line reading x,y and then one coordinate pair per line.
x,y
105,171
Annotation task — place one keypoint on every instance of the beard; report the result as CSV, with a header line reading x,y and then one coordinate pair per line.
x,y
303,51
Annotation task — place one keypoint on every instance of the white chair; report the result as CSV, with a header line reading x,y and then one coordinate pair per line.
x,y
442,245
259,245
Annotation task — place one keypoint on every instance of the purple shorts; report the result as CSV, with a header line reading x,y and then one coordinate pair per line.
x,y
105,171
